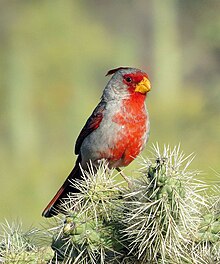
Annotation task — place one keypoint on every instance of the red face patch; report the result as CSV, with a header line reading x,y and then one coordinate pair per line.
x,y
131,79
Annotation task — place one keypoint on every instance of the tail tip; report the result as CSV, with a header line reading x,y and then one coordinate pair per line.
x,y
46,213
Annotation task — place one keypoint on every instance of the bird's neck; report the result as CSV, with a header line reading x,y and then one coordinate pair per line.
x,y
134,107
136,99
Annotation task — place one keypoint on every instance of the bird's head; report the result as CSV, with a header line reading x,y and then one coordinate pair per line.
x,y
126,81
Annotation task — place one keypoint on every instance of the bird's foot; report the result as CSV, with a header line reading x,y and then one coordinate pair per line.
x,y
125,177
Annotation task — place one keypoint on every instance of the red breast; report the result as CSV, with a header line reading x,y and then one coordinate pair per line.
x,y
132,136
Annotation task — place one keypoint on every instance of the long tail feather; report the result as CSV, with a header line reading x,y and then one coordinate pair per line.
x,y
53,208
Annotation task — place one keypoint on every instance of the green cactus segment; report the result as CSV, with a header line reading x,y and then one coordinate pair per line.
x,y
160,218
209,229
207,238
166,186
89,236
90,232
20,247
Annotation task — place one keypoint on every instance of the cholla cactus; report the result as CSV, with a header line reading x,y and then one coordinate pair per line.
x,y
154,222
161,218
90,230
17,246
163,208
206,247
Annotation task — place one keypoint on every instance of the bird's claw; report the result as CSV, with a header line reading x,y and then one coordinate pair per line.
x,y
129,182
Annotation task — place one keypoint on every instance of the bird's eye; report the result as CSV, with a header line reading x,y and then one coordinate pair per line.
x,y
128,79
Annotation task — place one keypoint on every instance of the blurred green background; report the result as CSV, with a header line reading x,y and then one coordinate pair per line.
x,y
54,55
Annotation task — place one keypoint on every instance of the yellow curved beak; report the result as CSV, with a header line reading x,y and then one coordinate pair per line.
x,y
143,86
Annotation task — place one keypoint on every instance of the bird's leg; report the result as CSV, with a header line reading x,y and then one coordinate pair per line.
x,y
125,177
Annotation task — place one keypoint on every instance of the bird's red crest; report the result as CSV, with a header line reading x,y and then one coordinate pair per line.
x,y
110,72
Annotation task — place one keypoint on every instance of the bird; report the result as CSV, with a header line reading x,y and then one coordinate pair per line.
x,y
117,130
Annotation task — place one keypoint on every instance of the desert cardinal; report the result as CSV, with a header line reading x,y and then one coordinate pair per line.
x,y
117,130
